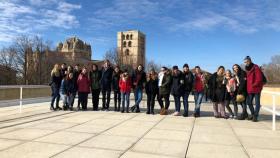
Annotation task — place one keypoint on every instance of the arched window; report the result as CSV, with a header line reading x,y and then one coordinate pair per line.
x,y
129,43
127,52
127,37
131,37
123,36
124,43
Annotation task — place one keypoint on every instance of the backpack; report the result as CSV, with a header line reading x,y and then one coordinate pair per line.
x,y
264,80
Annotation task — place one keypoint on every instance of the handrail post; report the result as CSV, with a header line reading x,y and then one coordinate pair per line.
x,y
20,100
274,113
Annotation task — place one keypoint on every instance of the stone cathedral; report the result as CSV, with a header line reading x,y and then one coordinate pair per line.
x,y
131,47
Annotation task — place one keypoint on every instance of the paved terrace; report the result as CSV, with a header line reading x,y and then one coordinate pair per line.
x,y
37,132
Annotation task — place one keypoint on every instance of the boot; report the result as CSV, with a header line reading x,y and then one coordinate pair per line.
x,y
162,111
148,110
119,106
152,110
52,108
255,118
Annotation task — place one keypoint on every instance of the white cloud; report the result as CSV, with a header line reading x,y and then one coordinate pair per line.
x,y
20,18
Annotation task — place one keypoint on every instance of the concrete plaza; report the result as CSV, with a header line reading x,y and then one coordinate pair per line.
x,y
38,132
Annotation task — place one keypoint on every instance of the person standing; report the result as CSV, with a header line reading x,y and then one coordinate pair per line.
x,y
177,88
164,84
106,82
55,85
199,82
115,84
151,91
188,85
254,86
217,92
138,80
95,76
83,88
62,92
70,90
125,88
63,70
241,83
76,73
230,96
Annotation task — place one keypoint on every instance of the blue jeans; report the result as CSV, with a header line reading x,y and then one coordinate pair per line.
x,y
138,94
125,99
55,96
198,96
255,111
177,103
186,102
64,98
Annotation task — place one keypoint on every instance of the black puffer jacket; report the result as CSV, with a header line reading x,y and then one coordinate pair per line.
x,y
188,81
177,87
152,86
115,81
242,87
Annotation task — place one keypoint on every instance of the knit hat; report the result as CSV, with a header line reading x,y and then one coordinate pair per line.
x,y
247,58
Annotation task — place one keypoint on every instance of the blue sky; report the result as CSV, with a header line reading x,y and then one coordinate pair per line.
x,y
198,32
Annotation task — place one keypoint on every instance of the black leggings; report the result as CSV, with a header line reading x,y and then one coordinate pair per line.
x,y
95,98
83,98
166,100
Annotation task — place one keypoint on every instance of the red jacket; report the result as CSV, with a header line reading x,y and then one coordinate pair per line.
x,y
125,85
254,80
199,86
83,83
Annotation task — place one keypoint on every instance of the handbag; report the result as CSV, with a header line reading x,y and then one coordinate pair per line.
x,y
240,98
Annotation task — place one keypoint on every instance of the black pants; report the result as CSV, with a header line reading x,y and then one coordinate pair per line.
x,y
83,97
106,94
151,102
117,99
95,98
166,100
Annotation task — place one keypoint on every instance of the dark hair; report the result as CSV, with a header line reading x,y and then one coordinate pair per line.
x,y
175,67
165,68
186,65
125,70
95,66
221,67
63,63
77,65
239,68
197,67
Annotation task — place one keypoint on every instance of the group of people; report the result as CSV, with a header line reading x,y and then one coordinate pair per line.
x,y
223,88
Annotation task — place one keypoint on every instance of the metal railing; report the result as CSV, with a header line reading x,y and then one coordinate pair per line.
x,y
273,110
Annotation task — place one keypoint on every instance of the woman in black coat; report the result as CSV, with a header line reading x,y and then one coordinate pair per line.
x,y
217,92
240,76
55,85
115,84
151,91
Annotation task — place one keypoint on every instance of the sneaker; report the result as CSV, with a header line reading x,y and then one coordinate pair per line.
x,y
132,108
176,114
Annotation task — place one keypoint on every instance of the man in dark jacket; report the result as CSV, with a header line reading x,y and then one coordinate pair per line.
x,y
177,89
254,85
76,74
95,76
165,80
138,81
106,82
188,85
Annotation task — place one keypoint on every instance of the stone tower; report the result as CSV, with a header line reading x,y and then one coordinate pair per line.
x,y
132,48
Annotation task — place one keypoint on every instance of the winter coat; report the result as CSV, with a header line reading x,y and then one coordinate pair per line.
x,y
83,83
95,77
55,81
199,83
115,81
242,83
165,87
138,79
254,80
70,86
188,81
151,86
125,85
106,78
177,86
62,88
76,74
217,94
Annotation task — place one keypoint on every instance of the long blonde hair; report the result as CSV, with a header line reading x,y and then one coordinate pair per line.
x,y
55,70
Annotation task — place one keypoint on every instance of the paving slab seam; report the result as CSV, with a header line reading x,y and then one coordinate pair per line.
x,y
94,136
141,137
189,142
35,120
243,147
32,140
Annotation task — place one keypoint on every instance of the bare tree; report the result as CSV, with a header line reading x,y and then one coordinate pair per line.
x,y
151,64
272,70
